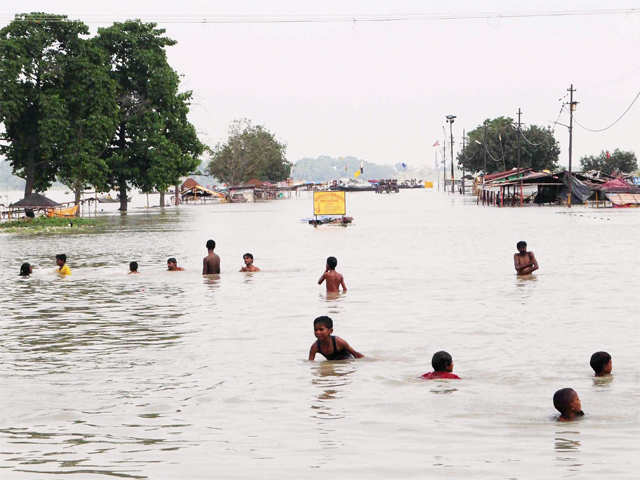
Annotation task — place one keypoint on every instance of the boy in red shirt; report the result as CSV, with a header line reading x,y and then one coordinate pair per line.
x,y
442,364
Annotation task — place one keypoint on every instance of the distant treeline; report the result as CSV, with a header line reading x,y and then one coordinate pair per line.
x,y
325,168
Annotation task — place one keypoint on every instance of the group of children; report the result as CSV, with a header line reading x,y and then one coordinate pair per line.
x,y
61,261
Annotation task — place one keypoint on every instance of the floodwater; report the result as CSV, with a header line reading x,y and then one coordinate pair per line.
x,y
172,375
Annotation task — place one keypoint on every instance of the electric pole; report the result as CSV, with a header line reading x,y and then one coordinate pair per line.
x,y
572,107
444,157
484,143
464,144
519,125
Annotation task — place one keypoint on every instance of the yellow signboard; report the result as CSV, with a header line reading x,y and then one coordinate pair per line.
x,y
329,203
428,184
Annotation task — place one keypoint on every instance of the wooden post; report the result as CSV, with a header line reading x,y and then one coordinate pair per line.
x,y
502,196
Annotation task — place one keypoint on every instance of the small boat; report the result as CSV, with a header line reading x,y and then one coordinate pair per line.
x,y
63,211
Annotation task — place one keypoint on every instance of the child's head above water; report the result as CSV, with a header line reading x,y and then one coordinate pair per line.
x,y
133,266
442,362
567,402
210,244
521,246
601,363
61,259
324,321
332,263
25,269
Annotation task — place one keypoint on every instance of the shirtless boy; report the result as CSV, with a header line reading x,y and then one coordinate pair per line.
x,y
211,263
567,402
248,264
524,262
334,279
172,265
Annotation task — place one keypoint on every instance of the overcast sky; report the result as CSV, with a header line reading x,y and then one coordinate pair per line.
x,y
380,90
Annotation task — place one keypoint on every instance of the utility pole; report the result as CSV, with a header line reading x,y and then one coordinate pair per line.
x,y
519,125
572,107
484,143
450,119
464,135
444,158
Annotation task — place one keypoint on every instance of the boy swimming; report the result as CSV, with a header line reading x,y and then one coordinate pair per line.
x,y
172,265
61,262
25,269
442,364
567,402
601,364
333,278
133,267
211,263
524,262
332,348
248,264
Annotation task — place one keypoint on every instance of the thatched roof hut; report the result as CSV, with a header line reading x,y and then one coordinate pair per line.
x,y
35,200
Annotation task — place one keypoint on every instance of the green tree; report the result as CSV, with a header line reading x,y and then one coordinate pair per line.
x,y
35,52
250,152
610,163
154,144
92,115
539,149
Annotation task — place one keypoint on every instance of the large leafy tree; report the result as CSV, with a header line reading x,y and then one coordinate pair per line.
x,y
610,163
498,146
154,144
250,152
36,51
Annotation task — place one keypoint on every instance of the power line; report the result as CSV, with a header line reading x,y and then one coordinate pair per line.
x,y
614,122
209,17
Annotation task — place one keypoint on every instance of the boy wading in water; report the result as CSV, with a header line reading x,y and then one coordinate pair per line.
x,y
248,264
332,348
524,262
63,268
567,402
334,279
211,263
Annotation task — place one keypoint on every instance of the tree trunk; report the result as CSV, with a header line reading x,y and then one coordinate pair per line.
x,y
162,192
122,187
78,195
177,187
28,186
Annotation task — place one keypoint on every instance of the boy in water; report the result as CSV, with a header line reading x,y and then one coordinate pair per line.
x,y
332,348
333,278
567,402
61,262
525,262
26,269
211,263
172,265
133,267
601,364
248,264
442,364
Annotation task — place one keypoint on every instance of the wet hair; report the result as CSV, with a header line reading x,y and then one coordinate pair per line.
x,y
599,360
172,260
133,266
441,360
61,256
323,320
211,244
521,243
25,269
247,255
332,263
562,398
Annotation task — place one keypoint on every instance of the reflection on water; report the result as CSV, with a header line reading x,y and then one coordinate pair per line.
x,y
158,374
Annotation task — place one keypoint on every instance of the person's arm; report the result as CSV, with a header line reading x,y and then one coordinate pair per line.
x,y
344,285
345,346
534,262
322,278
313,350
516,263
204,266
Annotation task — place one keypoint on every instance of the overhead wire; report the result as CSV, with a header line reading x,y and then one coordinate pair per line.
x,y
597,130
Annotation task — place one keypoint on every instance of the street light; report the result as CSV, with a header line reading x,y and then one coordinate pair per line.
x,y
450,119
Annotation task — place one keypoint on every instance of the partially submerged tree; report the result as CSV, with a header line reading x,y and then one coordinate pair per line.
x,y
154,144
539,149
610,163
36,51
250,152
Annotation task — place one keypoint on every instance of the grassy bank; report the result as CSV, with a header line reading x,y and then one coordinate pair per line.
x,y
49,225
